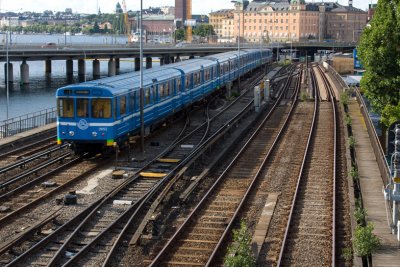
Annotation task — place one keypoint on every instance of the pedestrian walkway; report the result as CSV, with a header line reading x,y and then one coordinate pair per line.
x,y
371,188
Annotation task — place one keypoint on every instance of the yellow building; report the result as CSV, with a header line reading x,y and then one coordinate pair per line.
x,y
281,21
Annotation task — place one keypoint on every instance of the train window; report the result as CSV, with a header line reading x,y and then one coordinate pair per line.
x,y
161,90
154,93
131,102
221,69
166,89
187,83
122,105
82,107
101,108
195,79
65,107
178,84
147,96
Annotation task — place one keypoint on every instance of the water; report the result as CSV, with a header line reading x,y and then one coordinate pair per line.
x,y
39,94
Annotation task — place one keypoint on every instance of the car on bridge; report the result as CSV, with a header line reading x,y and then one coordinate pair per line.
x,y
49,45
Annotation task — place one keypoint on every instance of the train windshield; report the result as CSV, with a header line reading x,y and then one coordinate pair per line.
x,y
65,107
82,107
101,108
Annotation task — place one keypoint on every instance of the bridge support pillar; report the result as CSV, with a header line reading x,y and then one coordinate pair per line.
x,y
178,59
161,61
70,67
111,67
10,77
149,62
137,63
48,66
24,68
117,65
81,68
172,59
167,60
96,69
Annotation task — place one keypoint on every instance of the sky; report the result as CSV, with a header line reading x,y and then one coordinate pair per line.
x,y
108,6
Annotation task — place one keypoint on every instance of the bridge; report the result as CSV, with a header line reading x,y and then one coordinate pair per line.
x,y
166,53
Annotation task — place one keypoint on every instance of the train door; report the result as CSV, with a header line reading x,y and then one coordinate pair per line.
x,y
122,124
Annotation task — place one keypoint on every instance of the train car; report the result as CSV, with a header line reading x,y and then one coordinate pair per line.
x,y
94,115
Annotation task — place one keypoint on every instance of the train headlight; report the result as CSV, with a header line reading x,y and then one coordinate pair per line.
x,y
94,134
71,133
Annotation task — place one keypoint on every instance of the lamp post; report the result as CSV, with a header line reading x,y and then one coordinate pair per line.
x,y
239,3
7,78
141,80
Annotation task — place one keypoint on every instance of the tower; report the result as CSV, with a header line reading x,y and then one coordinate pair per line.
x,y
183,12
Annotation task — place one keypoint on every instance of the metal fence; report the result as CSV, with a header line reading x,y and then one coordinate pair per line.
x,y
376,145
27,122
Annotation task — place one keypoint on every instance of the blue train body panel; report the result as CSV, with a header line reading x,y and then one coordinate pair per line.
x,y
107,110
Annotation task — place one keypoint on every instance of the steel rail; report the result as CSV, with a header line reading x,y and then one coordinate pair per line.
x,y
183,167
312,129
172,240
21,176
335,159
114,191
30,159
134,209
17,150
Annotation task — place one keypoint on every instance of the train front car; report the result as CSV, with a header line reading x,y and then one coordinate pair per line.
x,y
85,117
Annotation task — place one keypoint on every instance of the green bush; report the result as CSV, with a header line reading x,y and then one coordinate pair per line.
x,y
348,120
352,142
344,98
365,242
359,215
347,254
239,252
354,173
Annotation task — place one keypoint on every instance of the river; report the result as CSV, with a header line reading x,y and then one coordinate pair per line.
x,y
39,94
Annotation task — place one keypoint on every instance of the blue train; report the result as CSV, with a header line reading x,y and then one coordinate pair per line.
x,y
96,114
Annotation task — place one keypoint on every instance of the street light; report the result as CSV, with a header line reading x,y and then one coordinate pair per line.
x,y
141,80
7,70
238,3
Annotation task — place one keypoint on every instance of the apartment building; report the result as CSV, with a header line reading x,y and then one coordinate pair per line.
x,y
281,21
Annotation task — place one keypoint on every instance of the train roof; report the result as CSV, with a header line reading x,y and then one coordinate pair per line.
x,y
191,65
121,83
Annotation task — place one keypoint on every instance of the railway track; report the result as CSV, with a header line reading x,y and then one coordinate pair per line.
x,y
29,145
95,227
198,239
310,233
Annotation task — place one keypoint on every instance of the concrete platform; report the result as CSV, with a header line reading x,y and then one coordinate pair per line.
x,y
371,188
15,138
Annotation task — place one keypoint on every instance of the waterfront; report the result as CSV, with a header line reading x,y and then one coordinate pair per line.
x,y
39,94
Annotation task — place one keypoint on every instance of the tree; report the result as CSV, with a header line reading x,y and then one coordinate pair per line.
x,y
204,30
379,52
239,253
180,34
365,242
